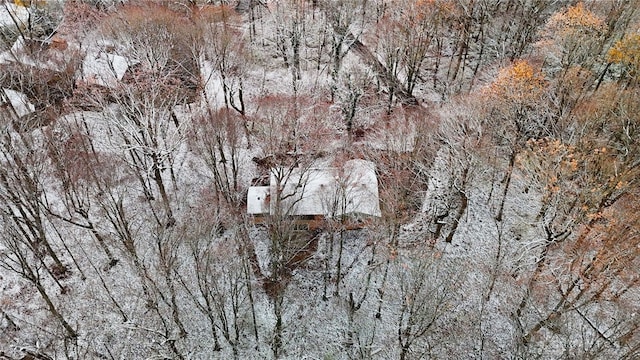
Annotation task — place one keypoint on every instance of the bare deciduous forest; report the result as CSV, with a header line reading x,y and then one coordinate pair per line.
x,y
319,179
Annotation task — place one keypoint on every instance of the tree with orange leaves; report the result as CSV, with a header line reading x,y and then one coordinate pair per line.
x,y
626,52
590,193
573,37
517,110
519,84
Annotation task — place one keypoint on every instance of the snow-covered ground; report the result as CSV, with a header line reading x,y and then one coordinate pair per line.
x,y
145,209
11,14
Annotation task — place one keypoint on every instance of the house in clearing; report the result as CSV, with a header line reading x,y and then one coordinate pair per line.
x,y
310,196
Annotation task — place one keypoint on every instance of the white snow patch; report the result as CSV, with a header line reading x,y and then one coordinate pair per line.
x,y
213,87
10,14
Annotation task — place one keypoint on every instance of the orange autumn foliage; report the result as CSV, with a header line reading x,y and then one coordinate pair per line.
x,y
520,82
573,36
576,19
626,52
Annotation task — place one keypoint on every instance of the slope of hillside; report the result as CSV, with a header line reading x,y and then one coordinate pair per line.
x,y
506,142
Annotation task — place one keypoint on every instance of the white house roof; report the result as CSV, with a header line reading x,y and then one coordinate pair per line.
x,y
19,101
351,189
361,188
104,69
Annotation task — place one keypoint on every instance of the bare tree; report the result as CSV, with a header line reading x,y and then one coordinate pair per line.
x,y
29,249
520,112
144,116
218,138
223,45
428,291
294,136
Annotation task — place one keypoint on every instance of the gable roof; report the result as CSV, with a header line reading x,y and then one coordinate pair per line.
x,y
18,101
104,69
350,189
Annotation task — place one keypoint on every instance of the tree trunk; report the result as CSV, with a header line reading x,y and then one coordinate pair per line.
x,y
507,181
52,308
157,177
394,85
463,207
